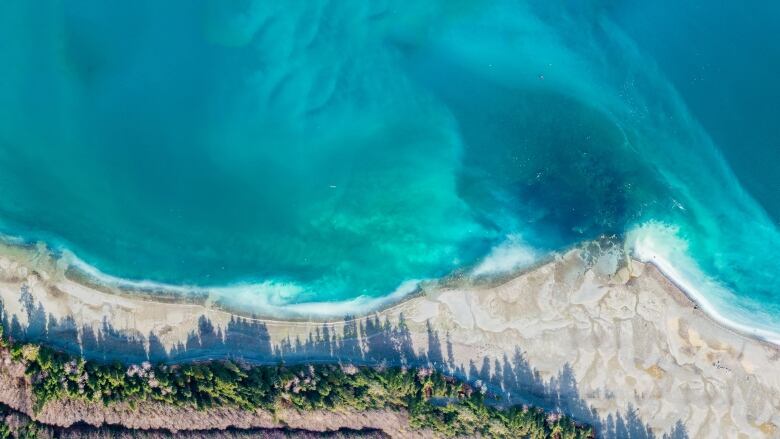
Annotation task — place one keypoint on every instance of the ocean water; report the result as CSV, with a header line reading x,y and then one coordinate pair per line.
x,y
323,157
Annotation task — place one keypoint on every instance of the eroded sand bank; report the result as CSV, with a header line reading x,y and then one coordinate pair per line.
x,y
620,347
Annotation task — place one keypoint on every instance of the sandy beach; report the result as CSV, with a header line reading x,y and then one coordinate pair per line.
x,y
611,342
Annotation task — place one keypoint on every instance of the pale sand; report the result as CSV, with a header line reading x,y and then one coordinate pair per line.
x,y
634,342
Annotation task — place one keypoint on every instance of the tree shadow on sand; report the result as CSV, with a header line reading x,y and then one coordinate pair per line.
x,y
367,341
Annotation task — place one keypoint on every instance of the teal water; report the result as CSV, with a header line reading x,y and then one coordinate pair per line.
x,y
325,151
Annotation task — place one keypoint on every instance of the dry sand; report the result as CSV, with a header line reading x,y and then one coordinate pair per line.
x,y
622,348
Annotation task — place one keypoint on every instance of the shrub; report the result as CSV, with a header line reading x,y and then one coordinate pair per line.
x,y
433,400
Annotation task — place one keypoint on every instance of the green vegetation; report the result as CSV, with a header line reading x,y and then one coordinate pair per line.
x,y
17,425
433,400
21,428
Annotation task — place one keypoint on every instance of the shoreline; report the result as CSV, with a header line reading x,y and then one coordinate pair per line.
x,y
161,293
709,311
156,293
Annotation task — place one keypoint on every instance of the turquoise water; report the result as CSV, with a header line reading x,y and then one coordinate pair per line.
x,y
325,151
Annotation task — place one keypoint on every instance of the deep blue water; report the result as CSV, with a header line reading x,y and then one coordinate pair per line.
x,y
328,150
723,58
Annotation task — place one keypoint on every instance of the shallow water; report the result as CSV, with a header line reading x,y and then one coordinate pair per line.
x,y
326,151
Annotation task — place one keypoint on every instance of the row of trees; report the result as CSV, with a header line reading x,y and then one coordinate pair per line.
x,y
433,400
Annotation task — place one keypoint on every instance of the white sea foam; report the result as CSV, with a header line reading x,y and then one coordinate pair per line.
x,y
268,298
662,245
511,255
12,240
93,272
278,300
